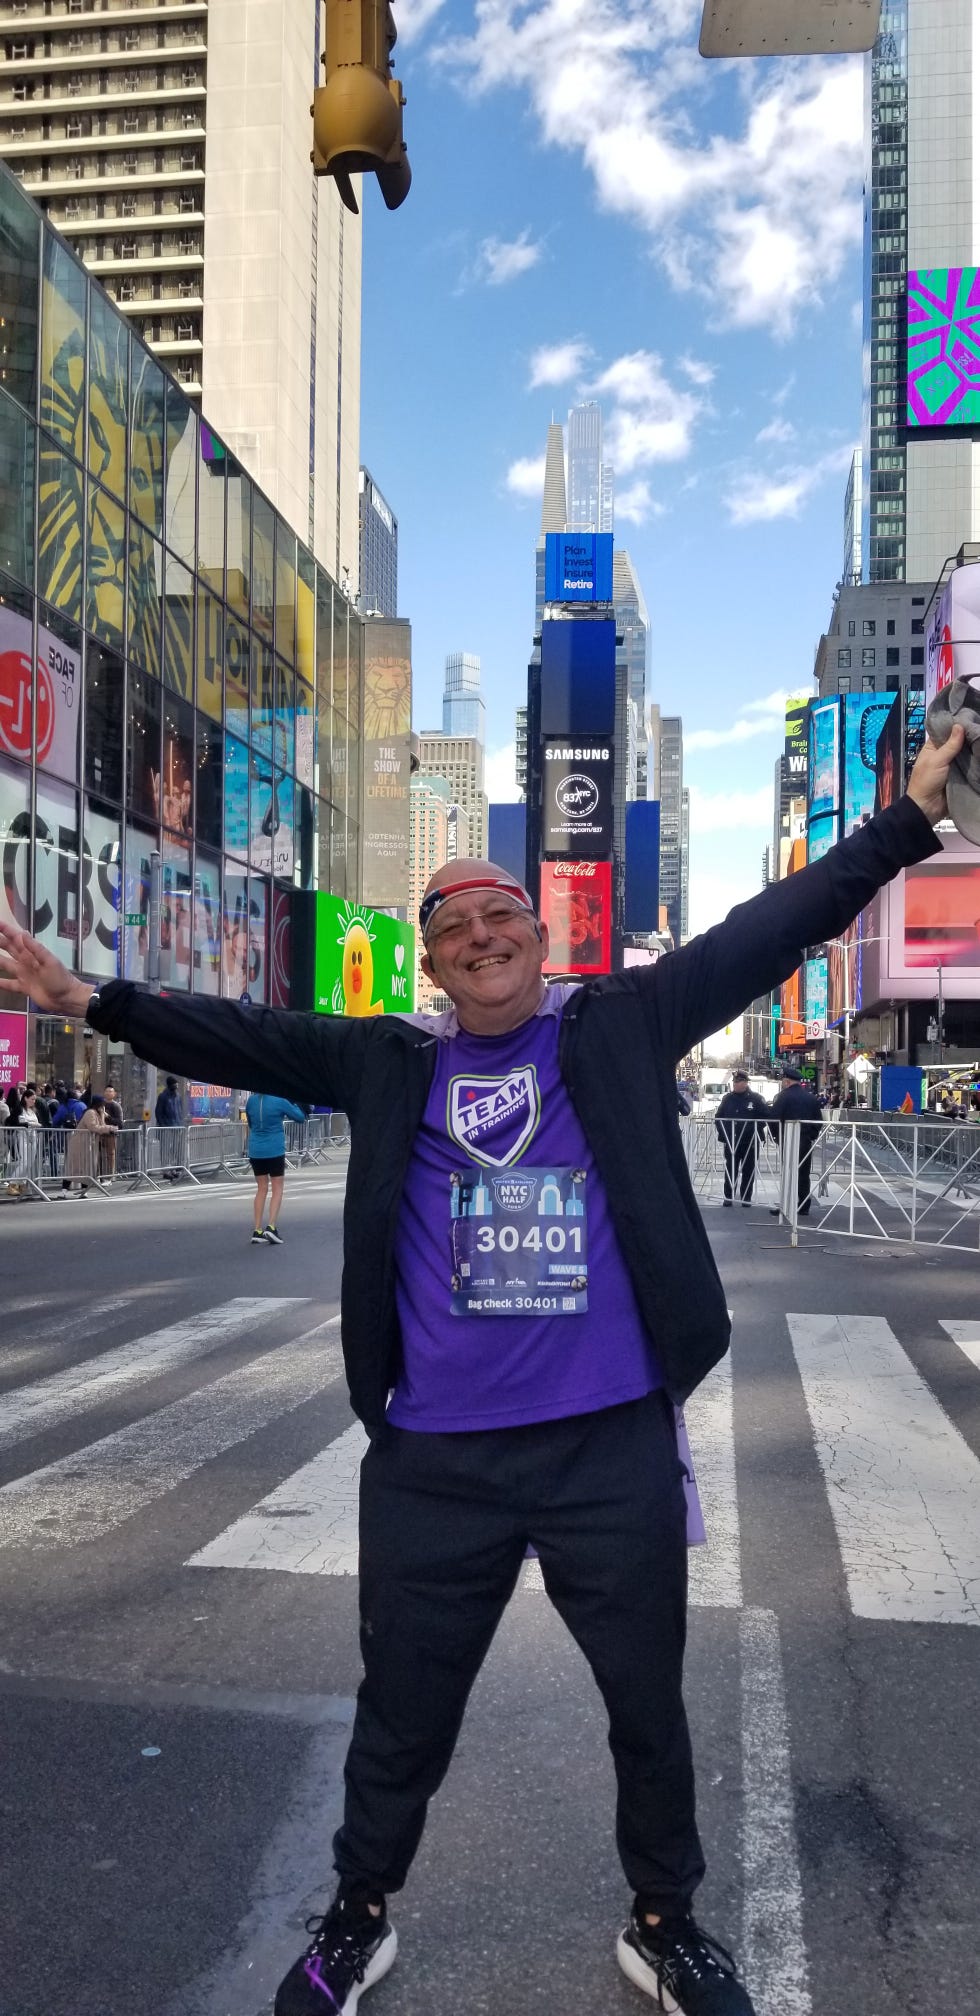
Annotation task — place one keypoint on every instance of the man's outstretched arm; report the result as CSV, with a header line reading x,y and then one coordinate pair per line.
x,y
760,943
300,1056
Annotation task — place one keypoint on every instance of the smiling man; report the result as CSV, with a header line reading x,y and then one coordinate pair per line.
x,y
528,1291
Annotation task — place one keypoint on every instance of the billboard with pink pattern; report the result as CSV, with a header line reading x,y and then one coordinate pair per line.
x,y
944,347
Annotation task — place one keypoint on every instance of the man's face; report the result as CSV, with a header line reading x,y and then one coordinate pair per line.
x,y
484,950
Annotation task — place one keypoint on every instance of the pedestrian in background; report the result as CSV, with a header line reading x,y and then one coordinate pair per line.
x,y
114,1118
266,1118
168,1112
736,1125
797,1101
82,1160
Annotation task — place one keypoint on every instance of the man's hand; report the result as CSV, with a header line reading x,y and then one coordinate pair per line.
x,y
927,784
26,967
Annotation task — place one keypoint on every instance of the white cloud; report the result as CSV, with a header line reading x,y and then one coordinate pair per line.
x,y
697,371
757,498
646,418
500,260
777,430
756,717
730,811
760,214
500,781
525,478
414,17
636,505
556,363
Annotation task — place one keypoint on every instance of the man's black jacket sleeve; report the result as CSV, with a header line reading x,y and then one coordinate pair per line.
x,y
699,989
303,1057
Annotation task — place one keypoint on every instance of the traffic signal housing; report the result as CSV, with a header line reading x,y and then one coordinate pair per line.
x,y
357,112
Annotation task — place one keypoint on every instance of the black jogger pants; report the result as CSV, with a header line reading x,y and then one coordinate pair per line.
x,y
445,1521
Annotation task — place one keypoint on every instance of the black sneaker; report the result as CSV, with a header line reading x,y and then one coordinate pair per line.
x,y
681,1967
349,1952
257,1239
273,1235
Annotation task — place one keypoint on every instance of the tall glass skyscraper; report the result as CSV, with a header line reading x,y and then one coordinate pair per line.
x,y
464,710
634,622
590,479
885,265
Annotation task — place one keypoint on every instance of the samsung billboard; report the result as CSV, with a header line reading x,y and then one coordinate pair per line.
x,y
578,788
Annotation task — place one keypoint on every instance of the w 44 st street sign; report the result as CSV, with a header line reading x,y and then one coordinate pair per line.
x,y
788,27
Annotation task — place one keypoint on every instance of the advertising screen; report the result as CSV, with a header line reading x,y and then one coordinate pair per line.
x,y
576,905
953,636
578,678
578,782
13,1048
578,567
845,974
54,699
365,961
865,715
942,916
821,836
209,1102
889,758
815,998
792,1028
386,759
796,741
944,347
642,865
823,777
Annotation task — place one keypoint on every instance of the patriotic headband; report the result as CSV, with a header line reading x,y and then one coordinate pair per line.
x,y
437,897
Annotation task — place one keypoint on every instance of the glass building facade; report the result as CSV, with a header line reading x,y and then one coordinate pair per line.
x,y
177,674
886,221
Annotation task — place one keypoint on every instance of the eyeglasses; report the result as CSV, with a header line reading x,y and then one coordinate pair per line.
x,y
496,917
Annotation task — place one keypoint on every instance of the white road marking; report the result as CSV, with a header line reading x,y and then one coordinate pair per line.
x,y
84,1496
64,1395
774,1954
967,1336
307,1526
715,1571
904,1487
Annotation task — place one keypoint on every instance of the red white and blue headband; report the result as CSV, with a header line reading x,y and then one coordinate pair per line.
x,y
437,897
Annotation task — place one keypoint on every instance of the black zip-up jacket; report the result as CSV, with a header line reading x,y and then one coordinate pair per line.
x,y
619,1043
737,1106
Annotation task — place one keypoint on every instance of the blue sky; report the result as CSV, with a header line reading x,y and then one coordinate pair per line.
x,y
596,212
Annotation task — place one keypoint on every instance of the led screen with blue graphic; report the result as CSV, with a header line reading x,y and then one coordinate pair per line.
x,y
578,678
578,567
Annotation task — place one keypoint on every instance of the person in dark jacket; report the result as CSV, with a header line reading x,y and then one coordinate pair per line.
x,y
737,1127
168,1112
797,1101
528,1293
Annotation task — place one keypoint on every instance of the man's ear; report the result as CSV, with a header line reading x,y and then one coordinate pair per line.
x,y
544,938
425,965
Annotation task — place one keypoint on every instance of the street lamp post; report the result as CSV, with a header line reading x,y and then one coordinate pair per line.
x,y
939,1031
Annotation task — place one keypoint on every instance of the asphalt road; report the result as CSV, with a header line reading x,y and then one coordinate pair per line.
x,y
179,1651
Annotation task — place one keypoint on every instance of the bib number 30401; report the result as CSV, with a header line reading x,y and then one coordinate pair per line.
x,y
518,1242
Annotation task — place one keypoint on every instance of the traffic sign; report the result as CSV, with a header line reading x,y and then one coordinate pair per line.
x,y
136,917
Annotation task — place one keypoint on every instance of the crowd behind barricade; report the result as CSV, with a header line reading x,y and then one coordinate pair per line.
x,y
66,1140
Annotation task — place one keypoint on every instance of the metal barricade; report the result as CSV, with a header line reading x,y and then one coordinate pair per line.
x,y
733,1160
886,1178
164,1155
21,1160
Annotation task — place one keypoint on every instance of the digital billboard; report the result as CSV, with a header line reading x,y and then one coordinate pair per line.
x,y
642,905
953,638
821,836
576,905
865,715
823,776
387,760
815,998
931,923
792,1028
578,567
578,786
796,742
845,971
944,347
578,677
365,961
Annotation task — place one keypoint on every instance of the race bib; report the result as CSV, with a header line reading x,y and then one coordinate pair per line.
x,y
518,1242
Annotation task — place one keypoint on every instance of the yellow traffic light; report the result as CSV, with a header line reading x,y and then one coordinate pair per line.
x,y
357,113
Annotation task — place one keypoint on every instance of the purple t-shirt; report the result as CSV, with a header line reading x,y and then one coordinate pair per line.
x,y
490,1371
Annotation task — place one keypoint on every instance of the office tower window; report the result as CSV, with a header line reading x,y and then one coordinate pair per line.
x,y
867,655
844,659
893,655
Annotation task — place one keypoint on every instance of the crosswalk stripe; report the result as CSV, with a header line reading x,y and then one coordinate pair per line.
x,y
84,1496
307,1526
715,1570
63,1395
967,1336
903,1485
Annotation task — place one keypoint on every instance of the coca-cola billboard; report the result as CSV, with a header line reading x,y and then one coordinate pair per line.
x,y
578,781
576,905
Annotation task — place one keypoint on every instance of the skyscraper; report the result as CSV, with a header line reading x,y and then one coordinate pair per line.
x,y
590,479
377,567
922,213
673,824
633,621
553,510
459,760
853,508
170,143
464,710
